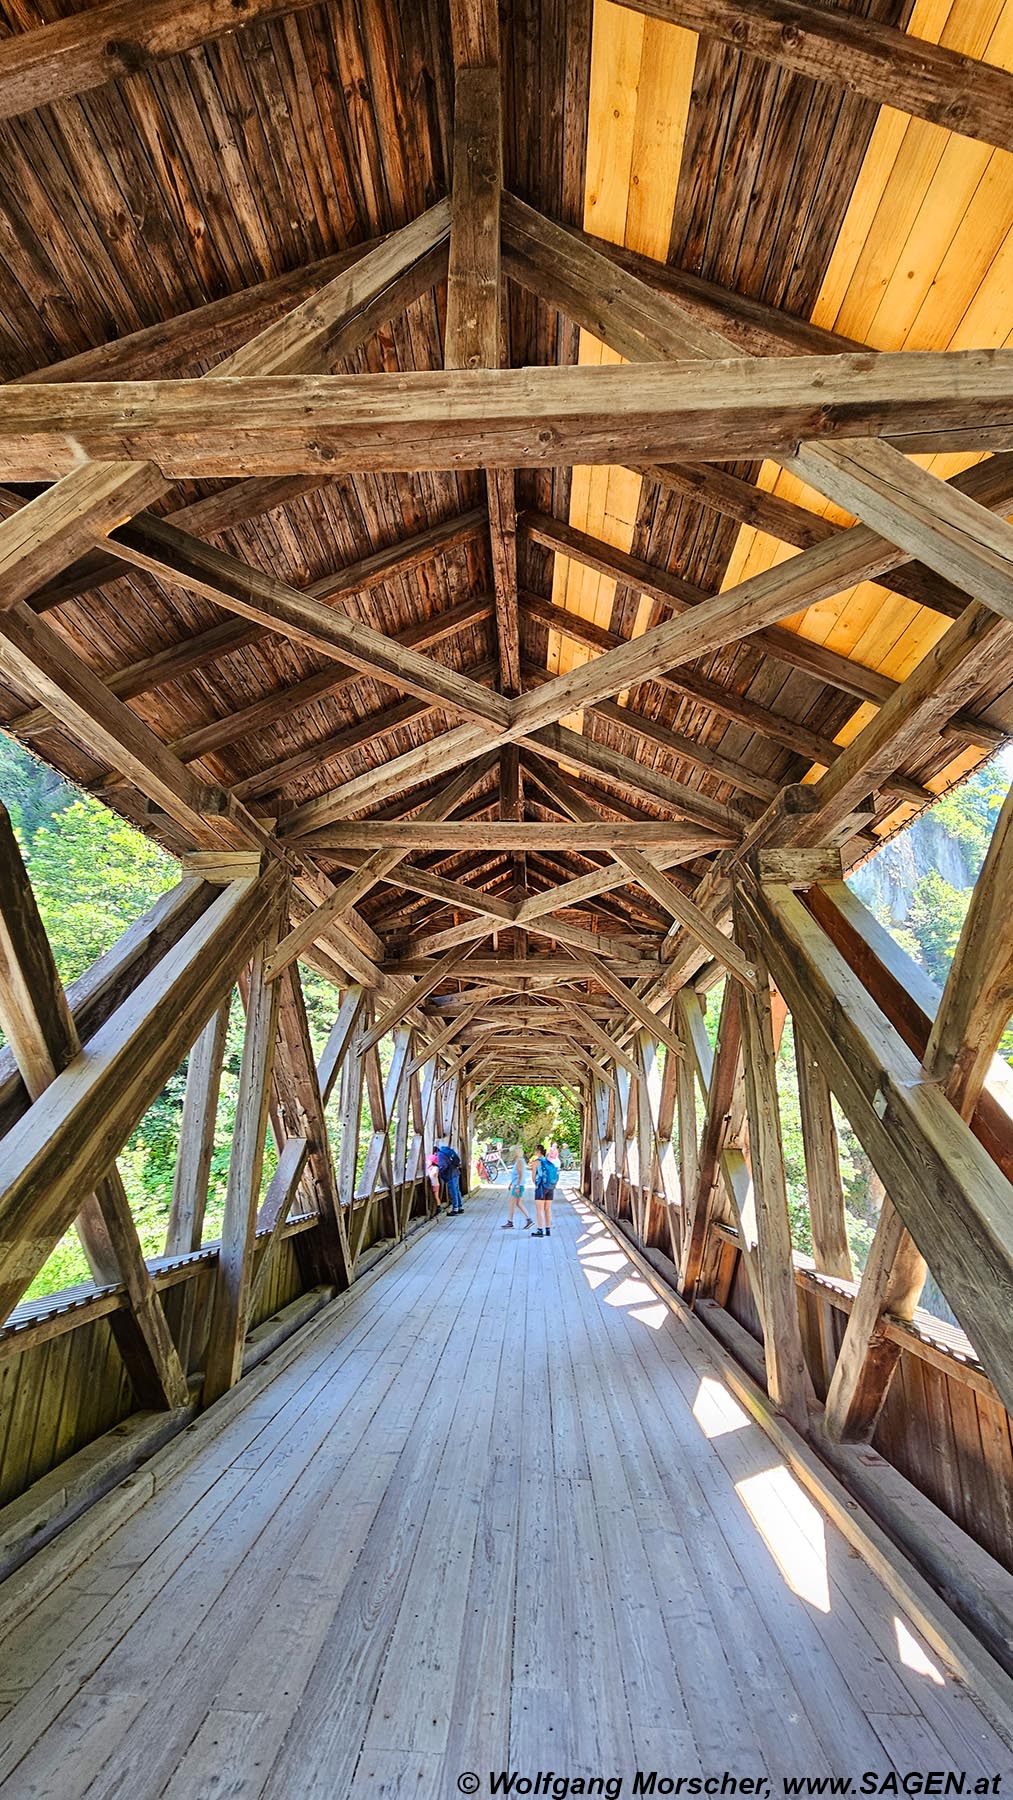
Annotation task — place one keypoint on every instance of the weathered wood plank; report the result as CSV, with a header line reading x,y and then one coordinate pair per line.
x,y
978,997
491,834
156,545
59,525
831,1253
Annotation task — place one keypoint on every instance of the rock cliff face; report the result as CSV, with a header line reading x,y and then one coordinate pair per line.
x,y
887,881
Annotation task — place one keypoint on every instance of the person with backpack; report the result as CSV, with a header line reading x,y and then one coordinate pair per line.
x,y
448,1164
546,1176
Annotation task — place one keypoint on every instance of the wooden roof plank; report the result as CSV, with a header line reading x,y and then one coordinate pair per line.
x,y
859,55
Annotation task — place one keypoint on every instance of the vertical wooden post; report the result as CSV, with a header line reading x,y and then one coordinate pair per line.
x,y
782,1337
350,1109
822,1165
892,1282
197,1137
685,1094
234,1276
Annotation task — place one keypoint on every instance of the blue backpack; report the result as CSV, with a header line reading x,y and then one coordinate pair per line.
x,y
548,1173
447,1161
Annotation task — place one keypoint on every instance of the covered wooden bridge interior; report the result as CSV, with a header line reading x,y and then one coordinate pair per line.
x,y
518,506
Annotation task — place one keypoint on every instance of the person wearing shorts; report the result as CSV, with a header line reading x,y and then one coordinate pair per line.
x,y
516,1191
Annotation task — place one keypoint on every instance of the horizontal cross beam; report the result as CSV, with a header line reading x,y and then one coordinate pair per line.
x,y
505,418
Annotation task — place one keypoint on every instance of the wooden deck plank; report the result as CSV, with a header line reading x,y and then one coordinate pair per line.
x,y
499,1511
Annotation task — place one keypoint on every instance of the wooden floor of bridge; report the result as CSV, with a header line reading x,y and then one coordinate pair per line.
x,y
498,1512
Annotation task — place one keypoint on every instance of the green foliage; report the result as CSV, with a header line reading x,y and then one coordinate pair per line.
x,y
93,874
969,813
31,793
937,913
528,1116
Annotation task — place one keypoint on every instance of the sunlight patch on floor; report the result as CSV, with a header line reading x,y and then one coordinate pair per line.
x,y
716,1411
914,1656
632,1292
771,1498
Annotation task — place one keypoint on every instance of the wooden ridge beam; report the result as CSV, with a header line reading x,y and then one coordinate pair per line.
x,y
291,424
472,335
859,55
491,834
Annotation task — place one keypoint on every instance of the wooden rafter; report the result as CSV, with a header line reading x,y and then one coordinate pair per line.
x,y
115,39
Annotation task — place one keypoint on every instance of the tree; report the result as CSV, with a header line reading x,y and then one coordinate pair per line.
x,y
93,875
937,913
527,1116
31,793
